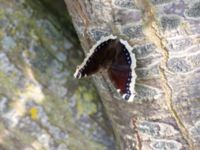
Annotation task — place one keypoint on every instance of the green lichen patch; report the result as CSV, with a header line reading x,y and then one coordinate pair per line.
x,y
56,110
2,127
36,72
7,86
2,14
75,144
60,115
85,102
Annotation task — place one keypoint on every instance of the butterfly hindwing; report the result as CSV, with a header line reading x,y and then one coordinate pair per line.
x,y
120,71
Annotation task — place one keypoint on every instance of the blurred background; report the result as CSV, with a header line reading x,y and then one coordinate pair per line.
x,y
42,106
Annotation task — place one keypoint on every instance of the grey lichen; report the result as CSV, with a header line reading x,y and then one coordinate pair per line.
x,y
3,105
133,31
127,17
179,65
158,2
150,129
196,130
194,10
180,44
42,59
195,60
8,43
170,22
166,144
145,93
155,129
42,117
125,3
97,34
28,126
148,73
143,50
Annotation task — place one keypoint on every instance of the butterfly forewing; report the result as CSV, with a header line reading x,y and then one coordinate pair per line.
x,y
99,59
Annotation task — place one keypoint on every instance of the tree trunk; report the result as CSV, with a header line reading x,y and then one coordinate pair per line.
x,y
165,38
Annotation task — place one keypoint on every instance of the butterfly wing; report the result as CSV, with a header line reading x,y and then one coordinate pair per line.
x,y
120,72
99,57
119,78
116,56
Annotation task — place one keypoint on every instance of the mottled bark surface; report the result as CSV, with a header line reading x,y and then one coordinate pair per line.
x,y
42,107
165,38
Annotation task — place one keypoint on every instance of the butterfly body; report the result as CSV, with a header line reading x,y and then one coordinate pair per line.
x,y
114,56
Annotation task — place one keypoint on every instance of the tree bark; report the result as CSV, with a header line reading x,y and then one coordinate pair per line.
x,y
42,107
165,38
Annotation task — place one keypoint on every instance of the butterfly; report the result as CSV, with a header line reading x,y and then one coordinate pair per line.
x,y
116,57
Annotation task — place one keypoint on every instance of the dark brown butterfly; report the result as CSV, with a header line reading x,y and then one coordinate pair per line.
x,y
116,57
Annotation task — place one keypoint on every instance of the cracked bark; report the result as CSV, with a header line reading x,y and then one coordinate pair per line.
x,y
165,39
